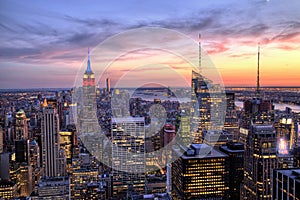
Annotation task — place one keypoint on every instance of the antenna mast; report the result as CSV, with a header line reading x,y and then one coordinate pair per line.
x,y
258,86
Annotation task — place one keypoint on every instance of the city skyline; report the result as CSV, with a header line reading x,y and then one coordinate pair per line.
x,y
44,44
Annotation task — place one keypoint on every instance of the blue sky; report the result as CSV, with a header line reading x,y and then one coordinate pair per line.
x,y
43,43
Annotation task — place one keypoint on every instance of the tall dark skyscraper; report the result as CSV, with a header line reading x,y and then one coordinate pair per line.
x,y
235,152
22,151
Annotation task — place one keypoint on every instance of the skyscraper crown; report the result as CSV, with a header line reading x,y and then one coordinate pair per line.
x,y
88,68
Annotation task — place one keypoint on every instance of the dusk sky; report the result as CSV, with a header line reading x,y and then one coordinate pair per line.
x,y
44,43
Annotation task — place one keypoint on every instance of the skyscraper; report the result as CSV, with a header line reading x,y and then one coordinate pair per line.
x,y
88,112
87,120
260,160
259,137
22,151
21,140
200,173
128,155
286,141
21,125
235,152
286,184
50,128
208,100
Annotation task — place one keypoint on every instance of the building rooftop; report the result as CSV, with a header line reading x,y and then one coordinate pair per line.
x,y
233,147
201,151
293,173
127,119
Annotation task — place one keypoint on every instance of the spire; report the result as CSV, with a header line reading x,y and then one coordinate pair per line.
x,y
199,53
88,69
258,86
44,104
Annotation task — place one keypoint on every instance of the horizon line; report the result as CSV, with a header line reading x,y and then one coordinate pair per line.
x,y
63,88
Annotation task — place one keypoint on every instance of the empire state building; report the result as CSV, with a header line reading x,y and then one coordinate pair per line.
x,y
89,130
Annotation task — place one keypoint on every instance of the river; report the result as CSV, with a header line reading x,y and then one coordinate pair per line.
x,y
278,106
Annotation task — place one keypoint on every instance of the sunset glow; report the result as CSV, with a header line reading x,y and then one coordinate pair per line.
x,y
43,45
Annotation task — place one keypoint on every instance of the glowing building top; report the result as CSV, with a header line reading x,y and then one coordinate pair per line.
x,y
88,77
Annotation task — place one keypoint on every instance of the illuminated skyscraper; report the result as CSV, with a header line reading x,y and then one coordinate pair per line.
x,y
87,119
8,189
21,140
128,155
260,160
50,128
54,188
88,112
21,125
259,137
25,180
231,123
286,141
80,181
208,101
200,173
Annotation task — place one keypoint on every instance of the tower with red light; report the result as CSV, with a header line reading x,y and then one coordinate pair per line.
x,y
88,77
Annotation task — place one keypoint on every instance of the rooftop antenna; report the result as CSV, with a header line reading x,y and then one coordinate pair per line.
x,y
258,86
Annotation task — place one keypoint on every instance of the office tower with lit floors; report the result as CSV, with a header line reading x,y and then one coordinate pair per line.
x,y
128,156
231,123
260,139
260,160
200,173
208,99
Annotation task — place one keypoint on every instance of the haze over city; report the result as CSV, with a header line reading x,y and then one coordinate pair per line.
x,y
43,44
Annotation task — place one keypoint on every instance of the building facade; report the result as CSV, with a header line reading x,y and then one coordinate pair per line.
x,y
128,155
200,173
286,184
